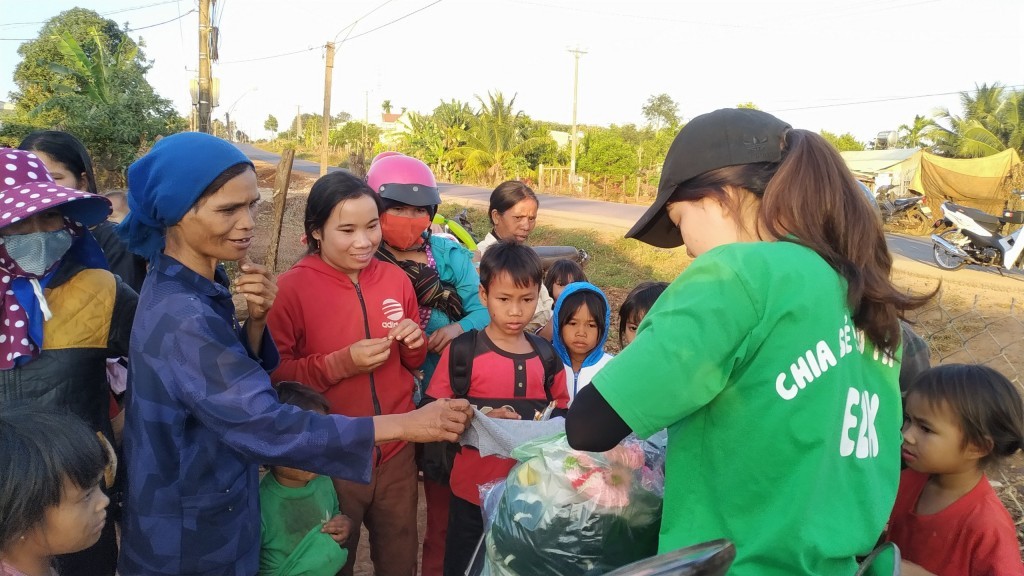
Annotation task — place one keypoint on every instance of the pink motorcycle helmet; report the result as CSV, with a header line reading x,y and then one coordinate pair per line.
x,y
405,180
384,154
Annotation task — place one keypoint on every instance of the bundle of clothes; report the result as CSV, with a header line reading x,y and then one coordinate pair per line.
x,y
565,512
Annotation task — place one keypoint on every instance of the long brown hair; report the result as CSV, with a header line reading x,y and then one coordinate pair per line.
x,y
811,198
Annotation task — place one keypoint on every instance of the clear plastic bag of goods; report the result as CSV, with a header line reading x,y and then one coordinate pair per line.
x,y
570,513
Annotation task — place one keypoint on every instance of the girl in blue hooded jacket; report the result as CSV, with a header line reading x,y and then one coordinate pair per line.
x,y
581,320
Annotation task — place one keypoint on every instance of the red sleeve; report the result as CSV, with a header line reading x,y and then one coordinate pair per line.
x,y
560,390
412,359
440,384
286,322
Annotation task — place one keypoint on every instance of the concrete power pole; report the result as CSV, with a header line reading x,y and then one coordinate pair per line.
x,y
328,72
575,92
205,96
298,123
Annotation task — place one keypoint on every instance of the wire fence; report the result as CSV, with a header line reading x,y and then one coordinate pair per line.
x,y
973,331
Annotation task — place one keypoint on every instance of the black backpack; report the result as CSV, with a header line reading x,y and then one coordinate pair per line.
x,y
436,458
463,349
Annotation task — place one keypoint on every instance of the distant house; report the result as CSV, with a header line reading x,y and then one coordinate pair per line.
x,y
877,168
388,121
393,126
561,138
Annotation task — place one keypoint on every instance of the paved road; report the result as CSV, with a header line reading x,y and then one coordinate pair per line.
x,y
299,164
908,250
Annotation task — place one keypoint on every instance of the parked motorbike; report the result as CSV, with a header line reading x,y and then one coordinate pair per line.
x,y
976,237
461,229
893,208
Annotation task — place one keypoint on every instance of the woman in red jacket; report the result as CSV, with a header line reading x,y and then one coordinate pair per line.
x,y
346,325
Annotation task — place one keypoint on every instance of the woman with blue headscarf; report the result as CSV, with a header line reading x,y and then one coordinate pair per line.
x,y
61,315
201,414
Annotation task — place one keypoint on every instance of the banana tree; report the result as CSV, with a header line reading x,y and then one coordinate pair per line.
x,y
92,73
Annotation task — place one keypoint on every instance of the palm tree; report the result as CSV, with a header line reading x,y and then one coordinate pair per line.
x,y
916,134
386,105
992,122
497,139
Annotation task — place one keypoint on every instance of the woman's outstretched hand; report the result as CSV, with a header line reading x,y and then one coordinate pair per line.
x,y
441,420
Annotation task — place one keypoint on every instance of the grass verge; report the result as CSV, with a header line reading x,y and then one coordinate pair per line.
x,y
614,261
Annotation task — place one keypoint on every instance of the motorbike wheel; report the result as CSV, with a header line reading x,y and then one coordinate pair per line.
x,y
943,258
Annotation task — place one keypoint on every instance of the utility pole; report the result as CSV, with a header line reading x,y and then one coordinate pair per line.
x,y
298,122
366,131
575,92
328,72
227,125
205,98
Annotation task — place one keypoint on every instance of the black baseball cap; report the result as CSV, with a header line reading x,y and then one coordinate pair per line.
x,y
726,137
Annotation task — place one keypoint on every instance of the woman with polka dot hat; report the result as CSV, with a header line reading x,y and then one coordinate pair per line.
x,y
62,313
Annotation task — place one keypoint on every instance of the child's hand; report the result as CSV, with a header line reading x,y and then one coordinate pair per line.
x,y
369,354
408,334
338,528
504,413
443,336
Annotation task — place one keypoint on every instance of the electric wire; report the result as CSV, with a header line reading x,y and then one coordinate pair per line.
x,y
320,46
102,14
887,99
161,23
399,19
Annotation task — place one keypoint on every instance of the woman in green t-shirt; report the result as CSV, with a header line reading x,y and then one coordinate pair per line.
x,y
772,360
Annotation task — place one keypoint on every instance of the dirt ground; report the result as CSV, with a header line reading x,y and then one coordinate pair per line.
x,y
967,322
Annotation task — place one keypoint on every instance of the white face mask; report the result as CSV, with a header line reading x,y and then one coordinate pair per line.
x,y
37,253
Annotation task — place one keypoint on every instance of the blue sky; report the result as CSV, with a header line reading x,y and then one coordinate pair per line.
x,y
861,66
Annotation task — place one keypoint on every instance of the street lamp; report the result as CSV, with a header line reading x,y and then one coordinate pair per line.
x,y
227,115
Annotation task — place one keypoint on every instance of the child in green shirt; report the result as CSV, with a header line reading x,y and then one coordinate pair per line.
x,y
301,524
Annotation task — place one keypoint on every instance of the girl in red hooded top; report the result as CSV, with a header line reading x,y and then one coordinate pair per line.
x,y
346,324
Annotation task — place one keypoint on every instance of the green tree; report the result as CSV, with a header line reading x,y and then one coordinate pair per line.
x,y
661,111
85,75
748,105
386,105
992,121
546,150
606,153
497,139
915,134
271,124
311,125
844,142
424,140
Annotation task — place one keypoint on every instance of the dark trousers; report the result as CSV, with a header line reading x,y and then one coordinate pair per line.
x,y
465,527
439,498
387,506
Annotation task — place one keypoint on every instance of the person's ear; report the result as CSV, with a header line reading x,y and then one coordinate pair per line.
x,y
316,235
975,452
494,214
483,293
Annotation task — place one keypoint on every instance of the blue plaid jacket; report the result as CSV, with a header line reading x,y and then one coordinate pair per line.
x,y
201,416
